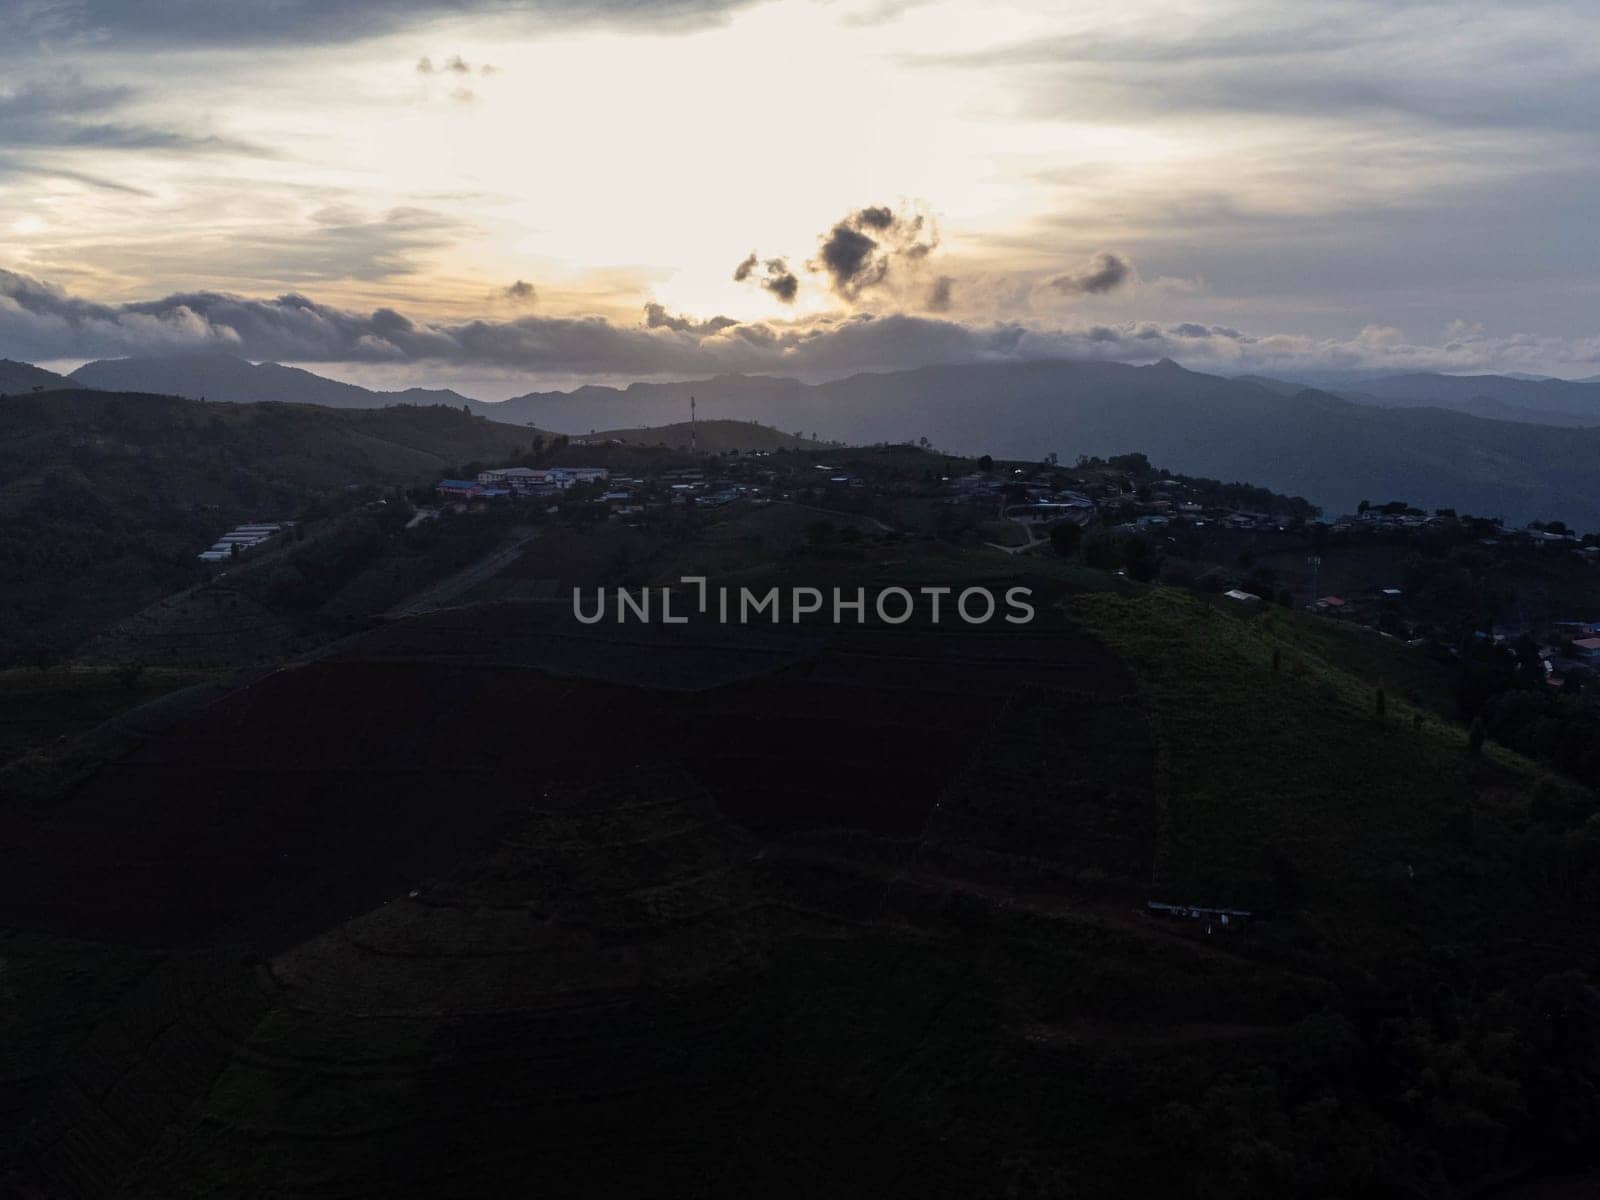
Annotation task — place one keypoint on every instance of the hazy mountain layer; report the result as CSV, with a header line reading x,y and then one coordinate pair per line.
x,y
225,377
1401,443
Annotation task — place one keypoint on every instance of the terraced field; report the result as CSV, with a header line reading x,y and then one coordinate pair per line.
x,y
484,902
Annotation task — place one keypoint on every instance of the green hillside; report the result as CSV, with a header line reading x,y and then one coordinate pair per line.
x,y
874,896
106,498
710,437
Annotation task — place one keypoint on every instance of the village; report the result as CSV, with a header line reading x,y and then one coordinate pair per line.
x,y
1386,568
1246,543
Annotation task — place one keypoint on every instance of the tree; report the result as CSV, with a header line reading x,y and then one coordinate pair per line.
x,y
1380,703
1141,558
1475,735
986,464
1065,538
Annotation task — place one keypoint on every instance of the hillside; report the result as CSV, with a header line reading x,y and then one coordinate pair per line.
x,y
1503,397
234,380
18,377
1310,443
105,498
873,896
1430,439
711,437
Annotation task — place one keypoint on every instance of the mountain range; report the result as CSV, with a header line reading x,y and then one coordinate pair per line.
x,y
1494,445
19,377
227,377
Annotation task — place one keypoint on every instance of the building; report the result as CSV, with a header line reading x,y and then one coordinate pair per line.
x,y
510,477
239,540
1588,649
524,481
457,489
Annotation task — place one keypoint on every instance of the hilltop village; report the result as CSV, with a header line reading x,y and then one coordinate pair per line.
x,y
1369,569
1503,620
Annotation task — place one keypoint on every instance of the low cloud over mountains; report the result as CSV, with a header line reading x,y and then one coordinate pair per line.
x,y
39,321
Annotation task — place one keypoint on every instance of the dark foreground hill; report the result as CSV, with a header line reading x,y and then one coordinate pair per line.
x,y
106,498
488,903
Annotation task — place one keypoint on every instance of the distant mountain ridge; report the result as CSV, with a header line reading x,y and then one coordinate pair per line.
x,y
1328,448
235,380
1500,397
17,378
1407,439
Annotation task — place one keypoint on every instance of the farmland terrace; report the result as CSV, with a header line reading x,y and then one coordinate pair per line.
x,y
485,895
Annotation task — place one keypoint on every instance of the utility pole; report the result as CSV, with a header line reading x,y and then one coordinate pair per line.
x,y
1314,561
694,432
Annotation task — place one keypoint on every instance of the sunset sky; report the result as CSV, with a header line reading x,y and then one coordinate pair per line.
x,y
494,195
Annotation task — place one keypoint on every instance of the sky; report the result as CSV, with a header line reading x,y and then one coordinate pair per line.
x,y
498,196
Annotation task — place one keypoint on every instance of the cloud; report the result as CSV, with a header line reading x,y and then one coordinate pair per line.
x,y
940,294
861,251
334,242
454,65
175,23
522,292
657,317
777,278
24,168
39,321
1368,59
66,113
1105,272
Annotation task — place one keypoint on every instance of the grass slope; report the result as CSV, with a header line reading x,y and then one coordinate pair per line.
x,y
711,437
858,913
106,498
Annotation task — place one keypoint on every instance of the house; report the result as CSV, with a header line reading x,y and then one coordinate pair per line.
x,y
1588,649
457,489
511,477
526,480
1243,597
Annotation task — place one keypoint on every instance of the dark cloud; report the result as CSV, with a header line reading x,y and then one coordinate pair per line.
x,y
859,253
879,217
522,292
38,321
20,168
781,281
940,294
335,243
777,278
656,316
1421,61
1105,272
174,23
66,113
